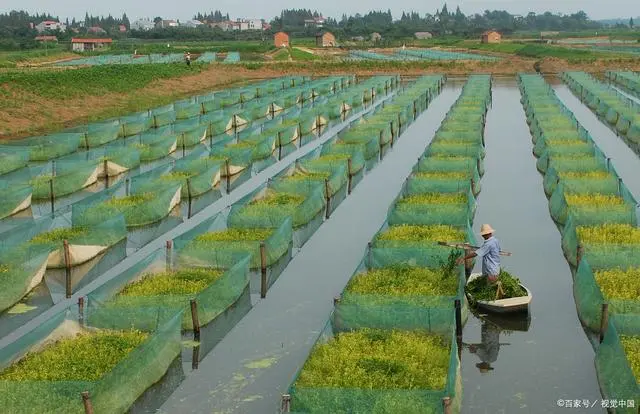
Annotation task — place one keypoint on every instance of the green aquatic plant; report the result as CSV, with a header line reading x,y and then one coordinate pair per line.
x,y
481,289
373,359
179,282
58,235
84,357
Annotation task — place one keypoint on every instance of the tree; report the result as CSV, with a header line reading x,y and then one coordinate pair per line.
x,y
631,22
157,19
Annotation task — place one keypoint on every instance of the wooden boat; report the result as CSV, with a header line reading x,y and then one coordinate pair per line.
x,y
511,305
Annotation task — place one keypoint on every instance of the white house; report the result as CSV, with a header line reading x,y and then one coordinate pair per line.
x,y
143,24
50,25
166,23
192,23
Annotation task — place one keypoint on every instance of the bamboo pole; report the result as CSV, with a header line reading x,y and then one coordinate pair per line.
x,y
86,401
67,266
263,270
195,320
604,321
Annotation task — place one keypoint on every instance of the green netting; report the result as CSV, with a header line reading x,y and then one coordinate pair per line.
x,y
306,177
154,287
128,374
263,145
439,164
140,208
420,183
333,151
48,147
135,124
69,177
100,134
188,110
268,208
402,305
616,372
368,352
460,148
14,197
12,159
601,182
599,209
417,210
214,239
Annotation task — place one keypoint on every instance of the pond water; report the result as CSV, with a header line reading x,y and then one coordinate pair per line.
x,y
531,364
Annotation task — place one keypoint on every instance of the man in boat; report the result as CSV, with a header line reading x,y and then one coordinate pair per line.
x,y
490,253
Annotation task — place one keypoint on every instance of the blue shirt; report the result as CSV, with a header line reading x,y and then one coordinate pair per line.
x,y
490,253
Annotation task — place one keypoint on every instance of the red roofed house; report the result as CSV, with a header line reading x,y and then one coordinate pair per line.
x,y
281,39
83,45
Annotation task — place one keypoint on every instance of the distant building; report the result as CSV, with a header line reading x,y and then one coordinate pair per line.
x,y
241,25
83,45
122,28
423,35
358,38
491,36
163,24
548,34
193,23
376,37
325,39
50,25
96,30
281,39
46,38
317,22
143,25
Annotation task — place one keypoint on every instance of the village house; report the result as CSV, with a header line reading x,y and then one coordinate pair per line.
x,y
281,39
325,39
142,25
423,35
50,25
163,24
84,45
491,36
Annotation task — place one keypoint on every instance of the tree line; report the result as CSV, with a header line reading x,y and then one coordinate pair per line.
x,y
15,31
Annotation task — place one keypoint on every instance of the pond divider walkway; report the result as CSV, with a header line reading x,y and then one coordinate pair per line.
x,y
552,360
255,363
219,205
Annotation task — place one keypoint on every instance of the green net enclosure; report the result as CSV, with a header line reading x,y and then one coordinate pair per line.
x,y
617,369
12,159
267,208
166,285
47,369
97,134
112,159
65,178
269,248
48,147
139,208
378,371
14,197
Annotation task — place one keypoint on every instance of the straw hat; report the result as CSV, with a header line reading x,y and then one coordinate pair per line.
x,y
486,229
484,367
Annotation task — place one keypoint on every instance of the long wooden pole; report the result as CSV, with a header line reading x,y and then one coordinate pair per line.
x,y
67,266
263,270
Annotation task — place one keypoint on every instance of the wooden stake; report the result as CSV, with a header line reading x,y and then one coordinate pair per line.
x,y
350,176
327,195
195,320
458,308
446,405
263,270
52,196
195,357
169,245
81,310
604,321
336,300
105,167
286,403
189,197
228,174
67,265
579,252
86,400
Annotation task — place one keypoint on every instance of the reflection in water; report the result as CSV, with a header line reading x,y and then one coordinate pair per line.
x,y
492,326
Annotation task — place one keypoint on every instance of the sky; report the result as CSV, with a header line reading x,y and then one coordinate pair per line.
x,y
185,9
